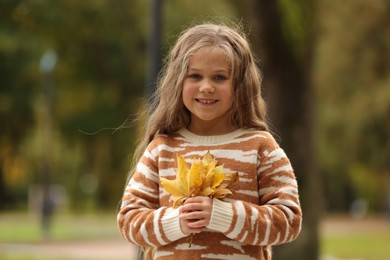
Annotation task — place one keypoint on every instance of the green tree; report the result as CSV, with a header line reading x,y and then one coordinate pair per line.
x,y
98,78
16,87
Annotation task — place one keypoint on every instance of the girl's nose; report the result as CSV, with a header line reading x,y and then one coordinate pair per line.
x,y
206,87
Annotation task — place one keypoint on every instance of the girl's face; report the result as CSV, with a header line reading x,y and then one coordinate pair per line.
x,y
208,92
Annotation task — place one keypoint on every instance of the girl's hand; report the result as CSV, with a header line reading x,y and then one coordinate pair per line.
x,y
195,214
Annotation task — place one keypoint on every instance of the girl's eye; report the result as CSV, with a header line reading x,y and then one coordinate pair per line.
x,y
194,76
220,77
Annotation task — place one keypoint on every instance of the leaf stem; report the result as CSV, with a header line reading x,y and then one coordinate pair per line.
x,y
190,238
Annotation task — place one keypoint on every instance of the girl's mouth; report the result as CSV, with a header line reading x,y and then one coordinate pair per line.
x,y
206,101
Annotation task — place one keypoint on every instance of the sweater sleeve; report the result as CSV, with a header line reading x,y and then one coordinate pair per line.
x,y
278,216
141,220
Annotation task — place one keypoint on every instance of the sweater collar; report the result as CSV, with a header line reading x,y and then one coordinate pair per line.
x,y
210,139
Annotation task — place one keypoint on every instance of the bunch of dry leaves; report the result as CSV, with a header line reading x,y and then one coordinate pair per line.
x,y
203,178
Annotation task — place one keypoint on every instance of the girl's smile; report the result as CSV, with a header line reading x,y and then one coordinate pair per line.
x,y
208,92
206,101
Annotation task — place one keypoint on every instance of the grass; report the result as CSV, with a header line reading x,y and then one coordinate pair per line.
x,y
357,246
365,239
22,228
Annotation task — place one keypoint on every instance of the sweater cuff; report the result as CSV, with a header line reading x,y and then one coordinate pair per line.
x,y
171,224
221,216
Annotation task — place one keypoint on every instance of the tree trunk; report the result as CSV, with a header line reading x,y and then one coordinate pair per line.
x,y
289,94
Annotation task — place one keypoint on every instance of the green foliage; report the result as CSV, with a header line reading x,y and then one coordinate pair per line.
x,y
297,23
67,120
95,84
352,76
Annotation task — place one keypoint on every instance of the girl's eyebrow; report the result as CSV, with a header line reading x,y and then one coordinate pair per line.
x,y
222,70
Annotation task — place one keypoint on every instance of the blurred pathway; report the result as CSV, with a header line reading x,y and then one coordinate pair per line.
x,y
75,250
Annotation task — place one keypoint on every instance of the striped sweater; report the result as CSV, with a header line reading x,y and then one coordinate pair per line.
x,y
263,210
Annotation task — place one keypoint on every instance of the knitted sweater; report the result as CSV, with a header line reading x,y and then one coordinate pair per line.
x,y
263,210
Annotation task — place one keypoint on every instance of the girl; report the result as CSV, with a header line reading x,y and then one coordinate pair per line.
x,y
208,99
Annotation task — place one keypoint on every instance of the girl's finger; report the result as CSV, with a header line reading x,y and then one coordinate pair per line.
x,y
201,223
191,207
194,215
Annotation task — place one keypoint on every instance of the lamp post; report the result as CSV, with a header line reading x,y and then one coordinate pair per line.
x,y
154,46
46,67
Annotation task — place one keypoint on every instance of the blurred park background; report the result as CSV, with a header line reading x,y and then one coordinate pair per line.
x,y
74,73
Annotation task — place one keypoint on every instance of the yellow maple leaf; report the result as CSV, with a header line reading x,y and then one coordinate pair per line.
x,y
203,178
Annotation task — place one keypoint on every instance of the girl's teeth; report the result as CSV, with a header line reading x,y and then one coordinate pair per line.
x,y
206,101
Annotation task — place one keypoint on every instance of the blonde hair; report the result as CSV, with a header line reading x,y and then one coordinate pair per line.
x,y
167,113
